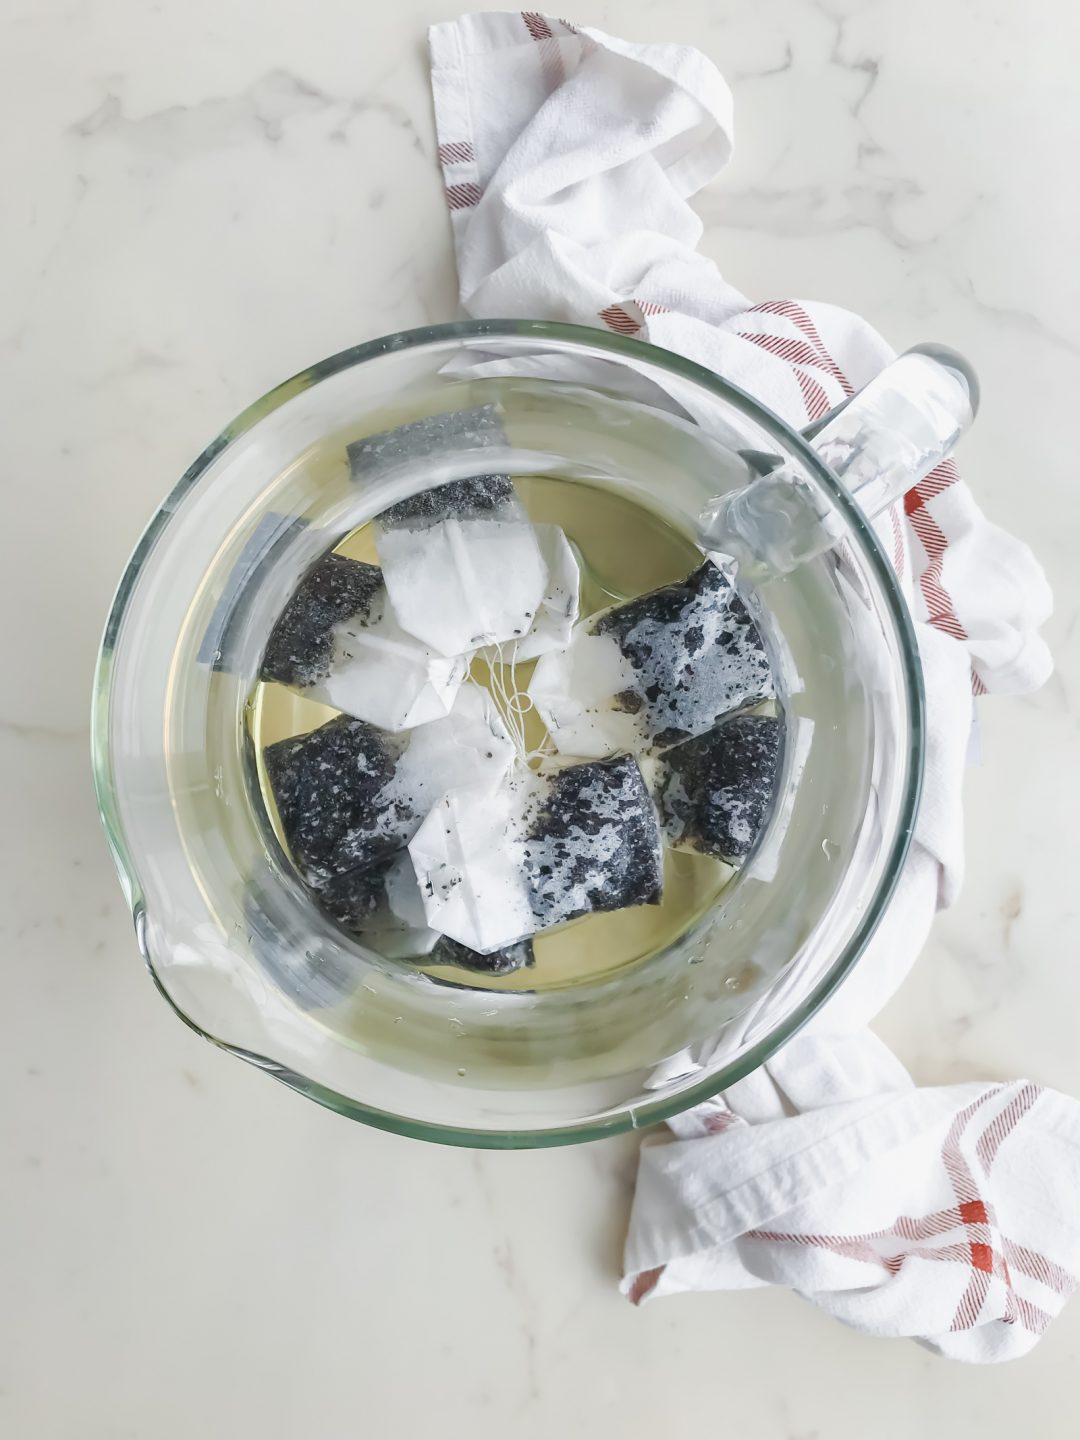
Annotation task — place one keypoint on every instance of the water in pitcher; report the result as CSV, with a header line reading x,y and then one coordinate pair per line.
x,y
624,550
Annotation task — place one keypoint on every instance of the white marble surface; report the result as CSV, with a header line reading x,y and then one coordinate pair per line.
x,y
198,200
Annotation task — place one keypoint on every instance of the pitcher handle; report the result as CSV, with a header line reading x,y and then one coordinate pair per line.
x,y
878,444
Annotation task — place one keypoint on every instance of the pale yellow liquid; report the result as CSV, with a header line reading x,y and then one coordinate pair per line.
x,y
624,550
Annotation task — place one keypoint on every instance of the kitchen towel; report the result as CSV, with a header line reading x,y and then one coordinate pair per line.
x,y
945,1214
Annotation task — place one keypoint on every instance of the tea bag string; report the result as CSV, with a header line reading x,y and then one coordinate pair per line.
x,y
512,703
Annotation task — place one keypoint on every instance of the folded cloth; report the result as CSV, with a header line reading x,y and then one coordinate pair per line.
x,y
945,1214
941,1214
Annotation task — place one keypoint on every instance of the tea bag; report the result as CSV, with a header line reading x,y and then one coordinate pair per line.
x,y
357,900
481,428
468,862
404,899
381,905
592,842
499,962
463,574
407,933
339,642
461,560
558,609
470,746
653,672
542,850
349,795
715,792
798,738
332,788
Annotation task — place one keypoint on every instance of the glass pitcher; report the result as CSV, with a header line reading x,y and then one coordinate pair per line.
x,y
227,931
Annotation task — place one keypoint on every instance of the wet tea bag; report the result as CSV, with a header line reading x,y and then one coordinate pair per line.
x,y
592,842
339,642
332,789
357,900
557,612
404,932
466,572
544,849
499,962
653,672
480,428
381,905
715,792
404,900
350,795
392,921
468,863
470,746
461,559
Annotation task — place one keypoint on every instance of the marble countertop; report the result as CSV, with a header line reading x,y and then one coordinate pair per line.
x,y
199,200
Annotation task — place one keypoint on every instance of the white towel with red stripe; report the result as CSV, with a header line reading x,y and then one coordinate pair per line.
x,y
947,1215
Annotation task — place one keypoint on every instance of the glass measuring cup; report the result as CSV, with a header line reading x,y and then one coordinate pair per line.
x,y
227,932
